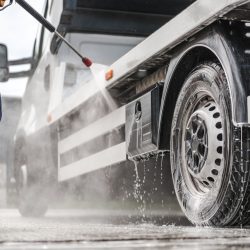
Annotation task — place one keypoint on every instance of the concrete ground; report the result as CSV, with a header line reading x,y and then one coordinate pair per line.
x,y
85,229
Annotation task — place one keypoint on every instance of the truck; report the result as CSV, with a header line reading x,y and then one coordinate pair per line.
x,y
176,82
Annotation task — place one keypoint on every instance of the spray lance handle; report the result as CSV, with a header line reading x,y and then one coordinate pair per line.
x,y
86,61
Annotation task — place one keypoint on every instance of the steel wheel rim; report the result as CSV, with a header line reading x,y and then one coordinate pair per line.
x,y
202,144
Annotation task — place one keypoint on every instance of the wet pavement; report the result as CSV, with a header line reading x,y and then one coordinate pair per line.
x,y
85,229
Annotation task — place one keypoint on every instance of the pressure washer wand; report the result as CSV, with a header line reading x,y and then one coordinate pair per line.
x,y
86,61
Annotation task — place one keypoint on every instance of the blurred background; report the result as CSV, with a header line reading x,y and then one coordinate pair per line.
x,y
18,32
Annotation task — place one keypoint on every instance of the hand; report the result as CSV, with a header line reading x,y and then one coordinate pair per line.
x,y
2,2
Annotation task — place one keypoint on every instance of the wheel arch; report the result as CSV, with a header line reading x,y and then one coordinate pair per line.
x,y
211,45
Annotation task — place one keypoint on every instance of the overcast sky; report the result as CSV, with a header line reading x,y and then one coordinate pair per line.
x,y
18,31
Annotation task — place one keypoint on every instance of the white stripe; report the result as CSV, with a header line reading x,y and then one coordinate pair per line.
x,y
100,127
100,160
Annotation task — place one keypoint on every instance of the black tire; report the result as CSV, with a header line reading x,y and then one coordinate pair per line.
x,y
211,187
32,199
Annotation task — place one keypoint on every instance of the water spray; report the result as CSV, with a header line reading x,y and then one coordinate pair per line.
x,y
86,61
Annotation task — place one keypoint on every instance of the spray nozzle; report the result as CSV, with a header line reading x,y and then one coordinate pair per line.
x,y
87,62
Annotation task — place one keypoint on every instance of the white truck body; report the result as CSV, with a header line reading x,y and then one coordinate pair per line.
x,y
128,107
179,29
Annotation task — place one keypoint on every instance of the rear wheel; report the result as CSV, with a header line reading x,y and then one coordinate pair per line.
x,y
210,188
32,199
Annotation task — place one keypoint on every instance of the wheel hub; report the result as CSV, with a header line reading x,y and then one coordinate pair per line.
x,y
204,145
196,143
